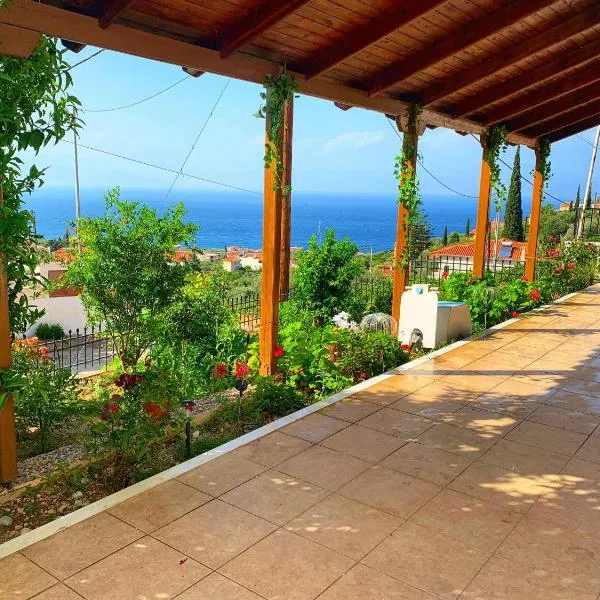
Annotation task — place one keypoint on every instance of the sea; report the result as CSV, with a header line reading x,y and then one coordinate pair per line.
x,y
235,218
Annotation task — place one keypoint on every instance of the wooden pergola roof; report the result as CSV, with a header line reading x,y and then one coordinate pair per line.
x,y
530,64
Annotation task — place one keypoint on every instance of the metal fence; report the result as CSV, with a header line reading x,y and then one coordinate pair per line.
x,y
81,350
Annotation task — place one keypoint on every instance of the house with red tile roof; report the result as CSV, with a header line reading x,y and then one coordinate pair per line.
x,y
503,253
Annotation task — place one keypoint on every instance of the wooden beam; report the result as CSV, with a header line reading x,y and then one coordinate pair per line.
x,y
342,106
534,219
364,36
193,72
14,41
581,113
452,44
58,22
111,10
547,93
410,143
254,23
286,200
8,438
574,129
512,55
483,212
76,47
558,65
555,107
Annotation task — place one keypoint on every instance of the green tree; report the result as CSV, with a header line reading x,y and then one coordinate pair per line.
x,y
322,281
513,218
588,200
468,227
419,237
454,237
35,110
554,224
445,236
127,272
578,198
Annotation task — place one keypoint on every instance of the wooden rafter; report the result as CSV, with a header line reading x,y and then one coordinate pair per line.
x,y
513,54
554,107
574,129
547,93
110,10
450,45
256,22
366,35
73,46
581,113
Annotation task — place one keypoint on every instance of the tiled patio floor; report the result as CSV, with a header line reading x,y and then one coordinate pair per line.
x,y
475,475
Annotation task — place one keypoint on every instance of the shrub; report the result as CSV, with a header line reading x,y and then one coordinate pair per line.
x,y
271,399
44,395
46,331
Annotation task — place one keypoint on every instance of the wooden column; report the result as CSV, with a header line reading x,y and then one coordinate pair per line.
x,y
534,220
286,200
483,213
271,266
8,439
411,127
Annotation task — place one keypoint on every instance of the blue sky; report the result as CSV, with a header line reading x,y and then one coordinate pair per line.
x,y
334,151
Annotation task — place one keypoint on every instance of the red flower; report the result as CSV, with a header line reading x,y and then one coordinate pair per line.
x,y
154,410
551,238
445,275
572,266
558,270
524,278
406,347
241,369
515,314
220,371
278,352
534,295
128,382
110,409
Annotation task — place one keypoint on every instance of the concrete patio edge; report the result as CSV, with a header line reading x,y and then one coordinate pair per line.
x,y
45,531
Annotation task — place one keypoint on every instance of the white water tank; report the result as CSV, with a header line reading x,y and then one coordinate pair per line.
x,y
439,321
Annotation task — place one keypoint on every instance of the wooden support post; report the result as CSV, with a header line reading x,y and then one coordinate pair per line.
x,y
8,439
286,200
412,128
483,212
534,221
271,265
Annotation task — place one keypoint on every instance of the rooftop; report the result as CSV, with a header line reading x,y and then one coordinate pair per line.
x,y
517,250
475,472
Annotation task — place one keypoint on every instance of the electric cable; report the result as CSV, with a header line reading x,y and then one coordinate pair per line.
x,y
86,59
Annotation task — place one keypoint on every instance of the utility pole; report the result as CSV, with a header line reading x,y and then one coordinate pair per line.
x,y
588,185
77,197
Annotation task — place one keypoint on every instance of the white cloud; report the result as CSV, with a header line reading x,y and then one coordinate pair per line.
x,y
353,139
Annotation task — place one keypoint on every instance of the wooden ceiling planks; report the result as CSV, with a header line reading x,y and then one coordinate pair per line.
x,y
565,119
574,129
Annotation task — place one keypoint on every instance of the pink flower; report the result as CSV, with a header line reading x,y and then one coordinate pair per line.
x,y
241,369
534,295
220,371
278,352
515,314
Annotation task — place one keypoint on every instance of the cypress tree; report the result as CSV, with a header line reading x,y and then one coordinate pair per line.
x,y
513,218
468,227
578,198
445,236
588,200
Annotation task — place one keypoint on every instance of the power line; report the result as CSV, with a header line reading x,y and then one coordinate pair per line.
x,y
585,140
198,136
170,87
161,168
86,59
430,173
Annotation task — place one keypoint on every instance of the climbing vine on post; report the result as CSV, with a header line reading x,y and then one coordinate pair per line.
x,y
545,165
496,146
278,90
408,184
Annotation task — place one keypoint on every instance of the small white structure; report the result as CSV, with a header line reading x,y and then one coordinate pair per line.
x,y
251,262
66,311
438,321
232,265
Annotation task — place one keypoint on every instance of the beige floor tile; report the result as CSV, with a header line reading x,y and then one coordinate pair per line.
x,y
501,579
486,421
430,409
523,458
458,440
351,409
514,491
348,527
578,402
93,539
324,467
499,362
396,493
58,592
475,382
433,465
394,388
160,505
272,449
275,497
362,583
315,427
21,579
144,569
397,423
590,450
563,418
214,533
580,386
443,391
363,442
518,407
466,518
287,566
430,561
546,437
221,474
531,385
217,587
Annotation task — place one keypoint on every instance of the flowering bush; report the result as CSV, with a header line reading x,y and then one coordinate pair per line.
x,y
44,396
343,321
